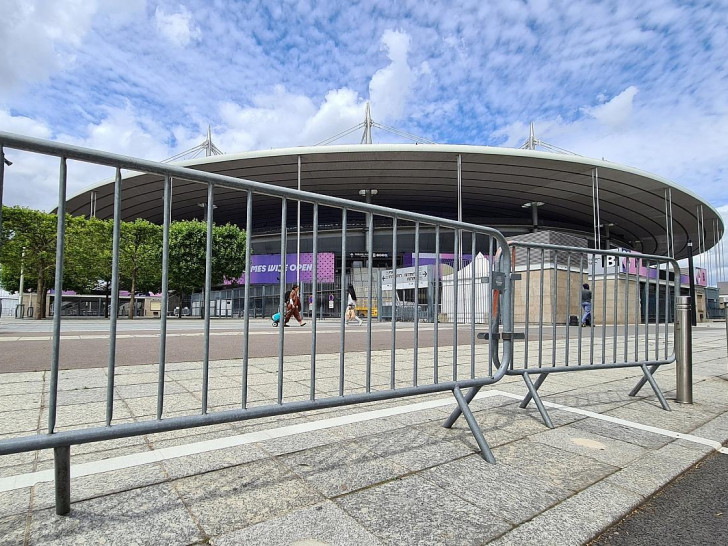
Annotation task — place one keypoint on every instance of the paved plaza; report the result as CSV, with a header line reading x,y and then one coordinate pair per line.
x,y
378,473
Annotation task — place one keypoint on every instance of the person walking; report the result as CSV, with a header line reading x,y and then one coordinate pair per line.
x,y
351,306
293,306
586,302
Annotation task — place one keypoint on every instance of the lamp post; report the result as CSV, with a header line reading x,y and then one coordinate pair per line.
x,y
533,205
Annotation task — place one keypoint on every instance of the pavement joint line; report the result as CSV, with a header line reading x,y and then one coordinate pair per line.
x,y
30,479
717,446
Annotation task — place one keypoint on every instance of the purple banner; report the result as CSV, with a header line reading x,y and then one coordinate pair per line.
x,y
265,268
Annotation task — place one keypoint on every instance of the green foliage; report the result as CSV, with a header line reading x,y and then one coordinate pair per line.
x,y
187,245
88,253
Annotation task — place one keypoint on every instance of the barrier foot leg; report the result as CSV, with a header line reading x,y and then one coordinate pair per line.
x,y
537,385
62,468
537,400
641,382
456,412
653,384
485,451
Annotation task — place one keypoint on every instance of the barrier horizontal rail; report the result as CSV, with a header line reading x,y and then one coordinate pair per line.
x,y
623,302
377,373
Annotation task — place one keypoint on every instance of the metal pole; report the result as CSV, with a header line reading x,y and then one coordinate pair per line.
x,y
691,273
298,229
684,351
62,475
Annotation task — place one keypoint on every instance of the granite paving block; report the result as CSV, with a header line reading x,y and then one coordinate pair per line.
x,y
414,449
301,441
656,469
643,438
20,422
715,429
497,489
26,401
319,525
682,418
576,520
20,387
104,483
217,459
367,428
608,450
556,466
13,502
143,516
233,498
13,529
342,467
413,510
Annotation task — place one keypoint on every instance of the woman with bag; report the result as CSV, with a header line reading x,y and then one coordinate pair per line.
x,y
351,306
293,306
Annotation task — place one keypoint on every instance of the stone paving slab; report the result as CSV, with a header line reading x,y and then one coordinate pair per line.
x,y
398,478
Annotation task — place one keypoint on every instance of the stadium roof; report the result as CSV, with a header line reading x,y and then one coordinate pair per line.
x,y
496,183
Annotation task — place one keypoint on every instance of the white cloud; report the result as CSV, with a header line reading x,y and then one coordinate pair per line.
x,y
179,28
390,87
38,38
616,112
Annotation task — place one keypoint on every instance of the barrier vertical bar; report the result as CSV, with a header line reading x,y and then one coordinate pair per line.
x,y
208,286
473,265
554,303
626,310
614,306
417,305
246,303
314,295
637,310
605,260
342,325
456,260
392,364
58,295
283,306
165,296
540,310
491,284
370,258
116,236
436,349
581,308
684,351
2,185
646,307
657,307
528,304
591,311
568,305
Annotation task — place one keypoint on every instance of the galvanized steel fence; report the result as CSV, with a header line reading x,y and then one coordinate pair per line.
x,y
451,361
631,324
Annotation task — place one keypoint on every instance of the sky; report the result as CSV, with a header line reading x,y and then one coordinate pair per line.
x,y
643,83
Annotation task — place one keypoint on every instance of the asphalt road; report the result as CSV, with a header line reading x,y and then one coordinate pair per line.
x,y
691,510
25,346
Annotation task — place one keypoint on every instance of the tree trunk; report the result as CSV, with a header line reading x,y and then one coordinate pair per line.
x,y
40,311
131,296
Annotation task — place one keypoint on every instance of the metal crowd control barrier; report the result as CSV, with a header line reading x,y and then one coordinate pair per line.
x,y
631,323
378,373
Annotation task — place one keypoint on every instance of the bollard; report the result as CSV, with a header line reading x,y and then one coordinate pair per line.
x,y
684,351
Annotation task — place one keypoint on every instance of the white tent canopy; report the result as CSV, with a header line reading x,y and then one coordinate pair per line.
x,y
479,271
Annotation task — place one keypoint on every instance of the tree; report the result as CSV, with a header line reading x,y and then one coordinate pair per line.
x,y
34,232
140,247
187,245
88,254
